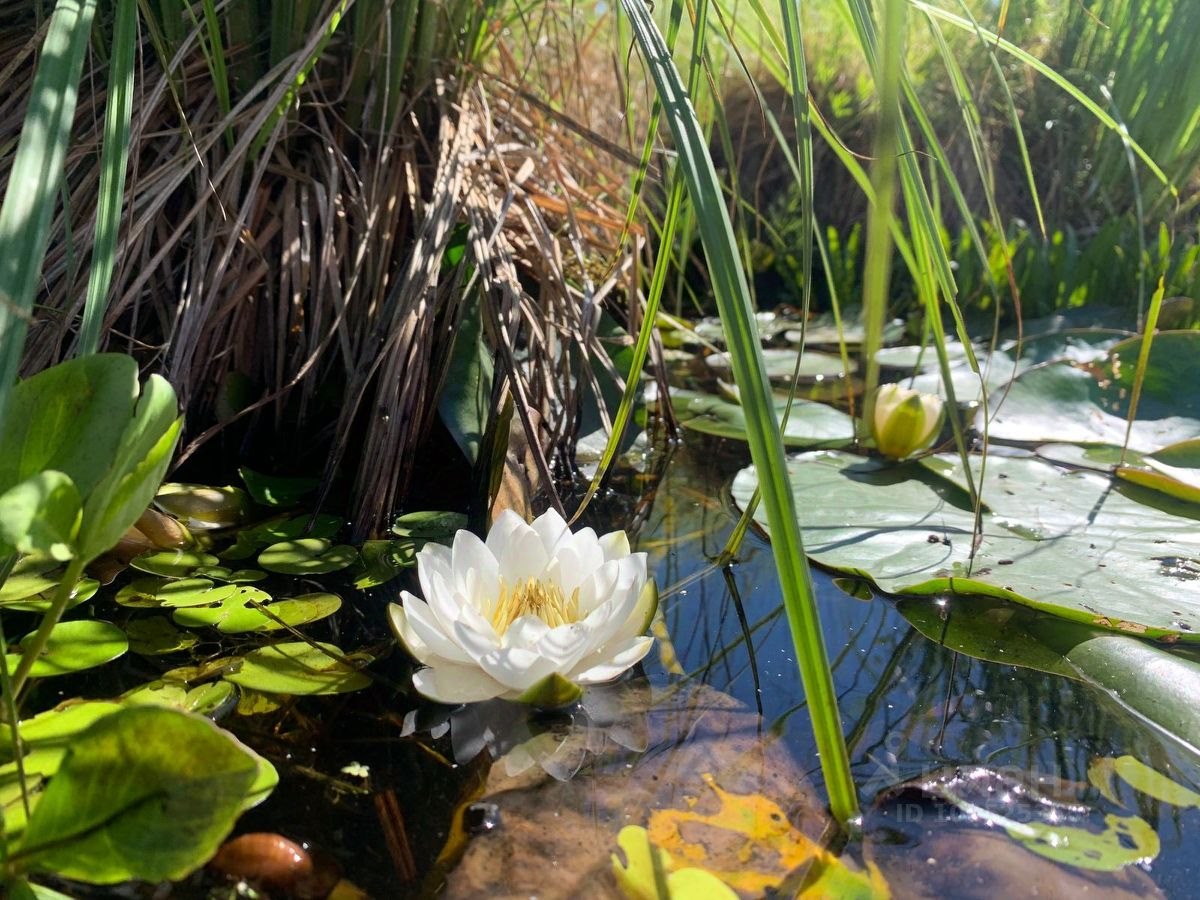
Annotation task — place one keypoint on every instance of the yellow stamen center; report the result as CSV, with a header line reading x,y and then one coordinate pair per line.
x,y
534,598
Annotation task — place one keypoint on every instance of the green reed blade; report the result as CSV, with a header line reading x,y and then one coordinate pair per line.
x,y
732,293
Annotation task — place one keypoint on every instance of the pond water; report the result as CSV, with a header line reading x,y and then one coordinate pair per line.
x,y
405,800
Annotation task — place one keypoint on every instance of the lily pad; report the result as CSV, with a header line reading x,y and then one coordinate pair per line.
x,y
307,556
381,561
201,507
173,563
809,425
922,358
83,591
75,646
298,668
236,614
30,576
156,636
1071,543
1062,404
998,369
282,528
1147,470
781,365
276,490
825,333
429,525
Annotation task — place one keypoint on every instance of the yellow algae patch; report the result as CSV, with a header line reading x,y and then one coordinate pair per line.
x,y
750,845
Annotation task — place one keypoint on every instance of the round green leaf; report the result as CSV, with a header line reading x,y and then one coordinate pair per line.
x,y
156,636
237,615
201,507
298,668
781,364
146,793
429,525
307,556
173,563
30,576
57,727
1071,543
83,591
75,646
809,425
233,599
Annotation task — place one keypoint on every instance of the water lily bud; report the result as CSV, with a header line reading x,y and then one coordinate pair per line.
x,y
905,421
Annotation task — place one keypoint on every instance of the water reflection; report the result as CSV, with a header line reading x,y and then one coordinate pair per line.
x,y
909,706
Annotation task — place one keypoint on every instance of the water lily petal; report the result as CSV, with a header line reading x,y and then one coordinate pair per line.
x,y
507,525
514,667
476,571
398,619
597,587
456,684
615,545
525,631
430,632
551,528
627,656
609,622
563,645
525,557
577,560
445,601
433,559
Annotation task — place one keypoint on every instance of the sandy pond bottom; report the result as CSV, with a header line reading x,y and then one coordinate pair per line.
x,y
709,746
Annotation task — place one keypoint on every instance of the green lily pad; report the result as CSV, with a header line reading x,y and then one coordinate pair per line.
x,y
204,699
998,369
1062,404
809,425
1153,683
83,591
1141,778
1172,372
201,507
156,636
30,576
236,614
172,563
1147,470
231,576
1071,543
825,333
781,364
429,525
307,556
381,561
276,490
914,356
56,727
281,528
75,646
1078,345
298,668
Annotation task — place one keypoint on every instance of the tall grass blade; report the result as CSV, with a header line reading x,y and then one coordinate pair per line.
x,y
114,159
35,177
766,445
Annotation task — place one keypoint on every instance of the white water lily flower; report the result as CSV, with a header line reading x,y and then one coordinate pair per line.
x,y
534,614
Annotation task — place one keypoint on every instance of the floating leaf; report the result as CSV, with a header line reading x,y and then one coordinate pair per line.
x,y
381,561
237,614
145,793
781,365
84,590
298,668
1141,778
810,424
649,873
156,636
282,528
307,556
173,563
29,577
922,358
201,507
429,525
1071,543
276,490
1062,404
75,646
231,576
998,370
